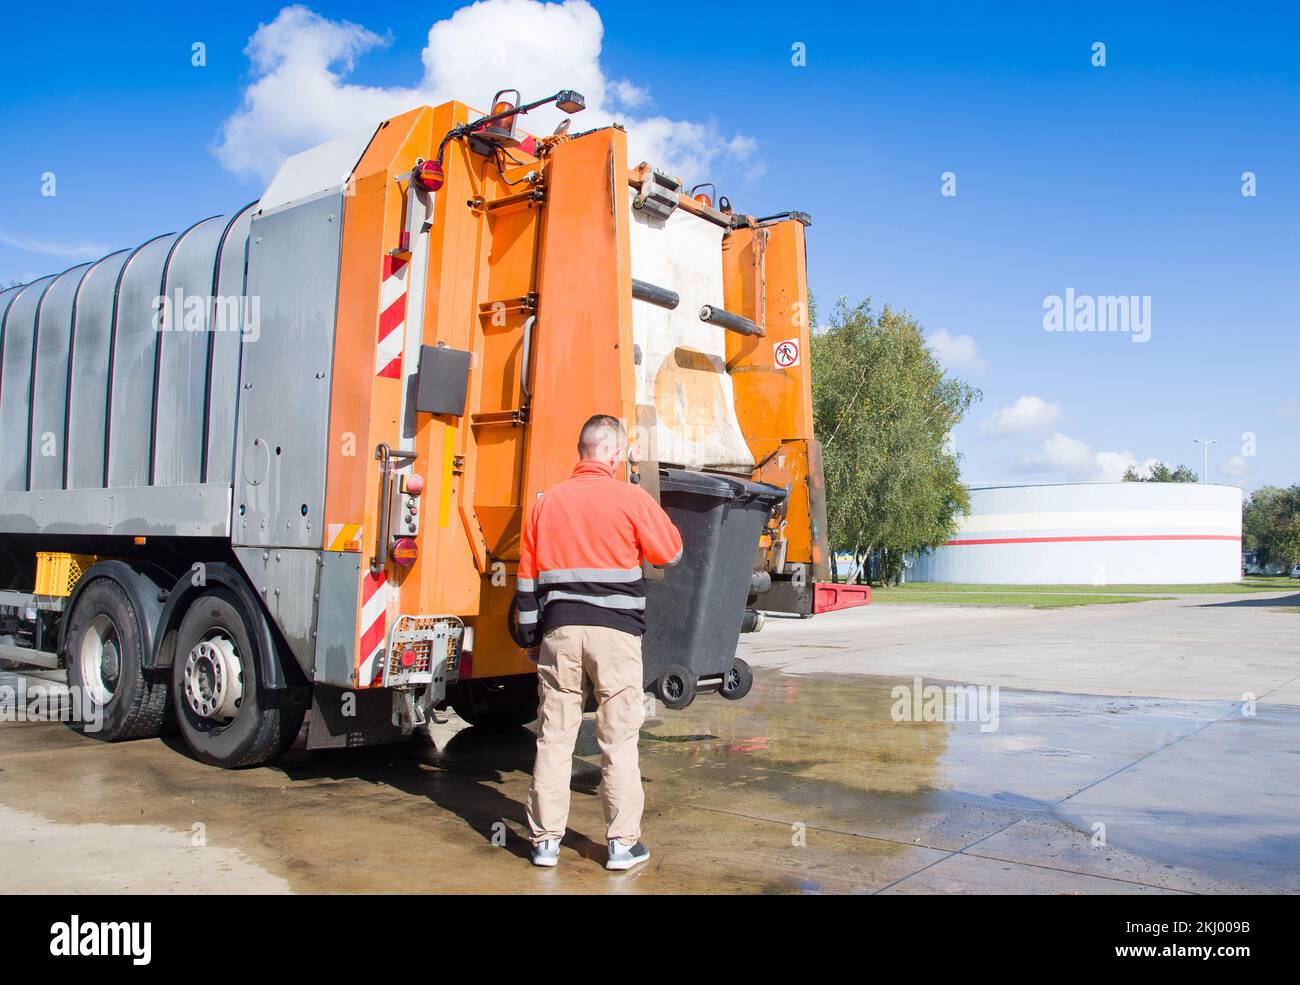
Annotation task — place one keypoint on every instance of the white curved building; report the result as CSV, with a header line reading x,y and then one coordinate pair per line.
x,y
1120,533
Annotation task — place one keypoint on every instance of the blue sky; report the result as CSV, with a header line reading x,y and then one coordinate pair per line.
x,y
1117,180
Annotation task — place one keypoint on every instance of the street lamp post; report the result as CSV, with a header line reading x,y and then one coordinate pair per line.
x,y
1205,467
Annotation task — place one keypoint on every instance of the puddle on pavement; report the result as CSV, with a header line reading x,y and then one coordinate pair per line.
x,y
729,786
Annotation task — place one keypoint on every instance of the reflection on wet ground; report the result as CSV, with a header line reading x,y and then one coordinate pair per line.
x,y
808,785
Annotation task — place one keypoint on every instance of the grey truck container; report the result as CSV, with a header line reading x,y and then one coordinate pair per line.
x,y
117,413
181,390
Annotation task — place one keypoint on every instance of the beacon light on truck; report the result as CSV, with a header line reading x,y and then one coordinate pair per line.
x,y
487,127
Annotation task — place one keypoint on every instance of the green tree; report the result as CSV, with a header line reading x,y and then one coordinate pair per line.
x,y
1160,472
884,411
1270,524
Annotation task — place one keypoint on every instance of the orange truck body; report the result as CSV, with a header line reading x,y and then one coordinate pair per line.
x,y
491,249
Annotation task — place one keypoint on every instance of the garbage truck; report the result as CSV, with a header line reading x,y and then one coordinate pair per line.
x,y
273,467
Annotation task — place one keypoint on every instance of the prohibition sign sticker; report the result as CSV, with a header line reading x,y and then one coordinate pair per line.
x,y
786,353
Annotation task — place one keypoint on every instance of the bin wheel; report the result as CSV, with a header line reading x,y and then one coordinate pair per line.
x,y
738,680
675,687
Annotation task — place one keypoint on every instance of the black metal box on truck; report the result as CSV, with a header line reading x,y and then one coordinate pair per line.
x,y
694,613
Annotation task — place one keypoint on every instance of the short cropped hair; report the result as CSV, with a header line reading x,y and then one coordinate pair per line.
x,y
599,429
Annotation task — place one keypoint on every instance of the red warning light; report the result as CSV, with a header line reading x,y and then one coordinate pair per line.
x,y
404,552
430,176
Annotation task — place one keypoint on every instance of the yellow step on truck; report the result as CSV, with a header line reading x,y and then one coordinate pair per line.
x,y
276,464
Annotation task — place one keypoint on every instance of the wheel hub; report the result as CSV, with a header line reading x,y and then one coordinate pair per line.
x,y
101,659
214,679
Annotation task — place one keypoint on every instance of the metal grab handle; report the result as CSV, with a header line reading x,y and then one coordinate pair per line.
x,y
525,356
385,455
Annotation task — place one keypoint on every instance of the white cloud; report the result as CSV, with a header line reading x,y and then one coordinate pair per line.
x,y
75,250
300,96
1236,466
1023,415
1111,465
957,353
629,94
1069,458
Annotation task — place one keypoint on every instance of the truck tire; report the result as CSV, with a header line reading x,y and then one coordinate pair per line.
x,y
226,717
103,651
497,705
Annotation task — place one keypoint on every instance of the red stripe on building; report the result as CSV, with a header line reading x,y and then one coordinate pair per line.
x,y
1089,540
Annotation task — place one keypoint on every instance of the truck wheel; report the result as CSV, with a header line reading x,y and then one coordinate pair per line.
x,y
103,651
675,687
737,681
227,718
497,705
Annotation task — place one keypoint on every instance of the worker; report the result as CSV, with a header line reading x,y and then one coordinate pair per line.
x,y
581,596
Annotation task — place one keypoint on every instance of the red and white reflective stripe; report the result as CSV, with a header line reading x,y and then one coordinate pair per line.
x,y
1091,539
374,626
392,319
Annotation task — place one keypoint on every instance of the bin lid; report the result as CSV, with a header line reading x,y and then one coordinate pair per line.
x,y
717,485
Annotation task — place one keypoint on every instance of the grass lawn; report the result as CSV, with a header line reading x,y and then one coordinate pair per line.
x,y
1064,596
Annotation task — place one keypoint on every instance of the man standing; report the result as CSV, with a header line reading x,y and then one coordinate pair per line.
x,y
580,592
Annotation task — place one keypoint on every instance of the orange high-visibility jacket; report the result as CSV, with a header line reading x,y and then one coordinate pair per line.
x,y
581,552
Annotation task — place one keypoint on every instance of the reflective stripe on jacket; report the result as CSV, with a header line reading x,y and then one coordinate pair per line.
x,y
581,551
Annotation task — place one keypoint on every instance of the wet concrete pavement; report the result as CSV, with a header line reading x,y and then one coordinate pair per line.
x,y
812,784
1193,646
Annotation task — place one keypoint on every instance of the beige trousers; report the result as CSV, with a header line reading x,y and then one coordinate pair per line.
x,y
612,659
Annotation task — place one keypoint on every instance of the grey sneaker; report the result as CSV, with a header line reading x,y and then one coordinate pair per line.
x,y
623,856
547,853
